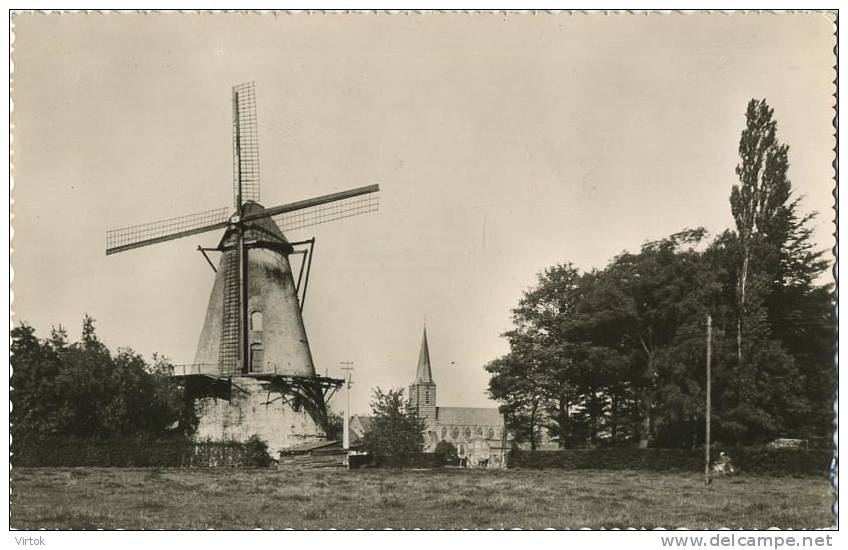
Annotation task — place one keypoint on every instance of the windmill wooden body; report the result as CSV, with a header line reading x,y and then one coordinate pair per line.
x,y
253,372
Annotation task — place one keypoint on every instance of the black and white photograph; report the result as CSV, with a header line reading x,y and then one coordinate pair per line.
x,y
423,270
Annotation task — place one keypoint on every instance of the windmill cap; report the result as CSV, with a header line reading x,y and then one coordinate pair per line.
x,y
262,230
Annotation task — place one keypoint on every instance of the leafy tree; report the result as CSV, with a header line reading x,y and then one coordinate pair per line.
x,y
563,395
445,452
397,432
82,390
514,383
335,425
784,309
759,202
617,354
535,382
539,320
635,311
801,315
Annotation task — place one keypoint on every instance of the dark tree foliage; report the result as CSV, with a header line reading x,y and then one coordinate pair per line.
x,y
516,384
617,355
397,433
446,453
780,306
643,318
82,390
335,425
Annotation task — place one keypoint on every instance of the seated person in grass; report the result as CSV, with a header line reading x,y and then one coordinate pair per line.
x,y
724,465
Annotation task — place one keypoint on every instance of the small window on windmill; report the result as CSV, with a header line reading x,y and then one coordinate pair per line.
x,y
256,325
256,357
455,433
427,397
444,433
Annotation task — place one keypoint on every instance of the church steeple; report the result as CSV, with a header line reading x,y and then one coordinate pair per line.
x,y
424,375
422,391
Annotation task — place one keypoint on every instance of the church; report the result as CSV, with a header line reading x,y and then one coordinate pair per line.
x,y
478,433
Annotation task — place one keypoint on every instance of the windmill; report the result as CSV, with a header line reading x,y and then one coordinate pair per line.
x,y
253,328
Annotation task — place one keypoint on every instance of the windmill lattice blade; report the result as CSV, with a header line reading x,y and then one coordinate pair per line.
x,y
245,143
135,236
327,212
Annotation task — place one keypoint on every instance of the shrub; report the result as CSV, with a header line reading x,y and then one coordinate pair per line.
x,y
445,453
396,435
751,460
136,452
84,390
409,460
256,452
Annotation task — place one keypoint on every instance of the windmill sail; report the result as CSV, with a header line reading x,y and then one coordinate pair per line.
x,y
245,145
327,212
135,236
294,215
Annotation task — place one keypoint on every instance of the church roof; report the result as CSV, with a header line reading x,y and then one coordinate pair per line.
x,y
361,422
423,374
469,416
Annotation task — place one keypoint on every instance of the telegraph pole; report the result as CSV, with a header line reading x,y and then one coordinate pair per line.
x,y
708,414
347,366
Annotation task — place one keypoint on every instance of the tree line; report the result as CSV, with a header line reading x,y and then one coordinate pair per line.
x,y
616,356
82,390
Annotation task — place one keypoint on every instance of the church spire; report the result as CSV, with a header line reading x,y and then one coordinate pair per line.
x,y
423,375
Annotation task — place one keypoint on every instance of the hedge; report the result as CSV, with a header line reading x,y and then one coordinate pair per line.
x,y
414,460
136,452
750,460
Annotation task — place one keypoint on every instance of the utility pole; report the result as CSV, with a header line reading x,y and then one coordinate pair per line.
x,y
347,366
708,413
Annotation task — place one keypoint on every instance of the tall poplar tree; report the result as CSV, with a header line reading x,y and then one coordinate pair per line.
x,y
758,202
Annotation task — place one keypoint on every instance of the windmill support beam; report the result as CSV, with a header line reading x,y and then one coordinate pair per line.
x,y
203,385
308,269
209,261
305,267
300,273
329,393
308,392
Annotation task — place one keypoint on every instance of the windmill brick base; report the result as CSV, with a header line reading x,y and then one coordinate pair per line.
x,y
282,410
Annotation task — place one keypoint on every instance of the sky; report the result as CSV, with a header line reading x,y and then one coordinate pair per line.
x,y
502,144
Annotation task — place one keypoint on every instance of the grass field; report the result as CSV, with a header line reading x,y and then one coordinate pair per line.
x,y
92,498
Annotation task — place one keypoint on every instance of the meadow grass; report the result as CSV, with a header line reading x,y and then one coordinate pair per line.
x,y
146,498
